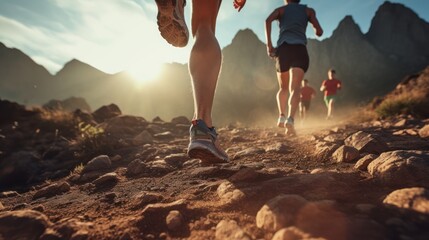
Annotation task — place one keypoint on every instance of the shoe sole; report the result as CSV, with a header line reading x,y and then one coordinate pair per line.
x,y
171,24
206,155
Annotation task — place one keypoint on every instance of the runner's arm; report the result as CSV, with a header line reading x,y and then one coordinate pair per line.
x,y
323,87
314,22
275,15
339,85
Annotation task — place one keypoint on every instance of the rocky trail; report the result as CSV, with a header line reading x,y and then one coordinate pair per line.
x,y
350,180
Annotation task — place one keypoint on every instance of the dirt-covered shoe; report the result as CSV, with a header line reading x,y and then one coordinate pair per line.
x,y
281,121
171,22
203,144
290,128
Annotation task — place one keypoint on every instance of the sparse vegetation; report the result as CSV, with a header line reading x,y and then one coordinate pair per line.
x,y
93,140
78,169
402,104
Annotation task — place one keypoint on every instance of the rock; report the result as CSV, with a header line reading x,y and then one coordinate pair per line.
x,y
279,212
71,228
278,148
177,159
52,190
107,179
229,230
23,224
181,120
158,212
143,138
229,194
145,198
424,131
402,168
313,219
249,152
106,112
346,154
401,123
116,158
1,206
416,199
291,233
157,119
158,167
174,220
362,164
9,194
246,174
39,208
135,167
324,150
204,171
101,162
19,168
365,142
164,136
123,126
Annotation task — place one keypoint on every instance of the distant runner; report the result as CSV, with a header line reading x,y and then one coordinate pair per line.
x,y
307,93
291,55
330,87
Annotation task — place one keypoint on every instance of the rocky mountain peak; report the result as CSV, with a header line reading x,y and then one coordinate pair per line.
x,y
347,27
245,35
75,66
399,32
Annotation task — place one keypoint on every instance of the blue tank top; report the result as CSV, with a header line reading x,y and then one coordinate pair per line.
x,y
293,24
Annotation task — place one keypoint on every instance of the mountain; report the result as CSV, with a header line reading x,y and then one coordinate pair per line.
x,y
404,39
22,79
369,64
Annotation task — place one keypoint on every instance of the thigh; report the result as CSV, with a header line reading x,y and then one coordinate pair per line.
x,y
204,12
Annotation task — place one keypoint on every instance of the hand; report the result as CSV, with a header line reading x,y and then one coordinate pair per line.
x,y
271,51
239,4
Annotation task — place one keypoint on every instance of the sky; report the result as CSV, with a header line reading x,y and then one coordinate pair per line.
x,y
122,35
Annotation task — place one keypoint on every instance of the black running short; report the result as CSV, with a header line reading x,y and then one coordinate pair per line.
x,y
305,104
292,56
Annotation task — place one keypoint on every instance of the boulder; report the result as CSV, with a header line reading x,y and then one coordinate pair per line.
x,y
135,167
291,233
143,138
98,163
279,212
365,142
362,164
181,120
416,199
249,152
346,154
23,224
229,230
107,179
174,220
402,168
52,190
278,148
106,112
424,131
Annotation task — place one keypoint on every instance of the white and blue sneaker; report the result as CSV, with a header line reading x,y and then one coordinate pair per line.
x,y
290,128
203,144
281,121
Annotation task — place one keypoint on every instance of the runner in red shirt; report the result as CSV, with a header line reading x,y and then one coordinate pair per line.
x,y
307,93
330,87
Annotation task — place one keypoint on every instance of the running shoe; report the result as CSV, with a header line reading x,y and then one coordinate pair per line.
x,y
290,128
203,144
281,121
171,22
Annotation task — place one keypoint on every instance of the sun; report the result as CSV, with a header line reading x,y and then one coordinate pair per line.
x,y
144,72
